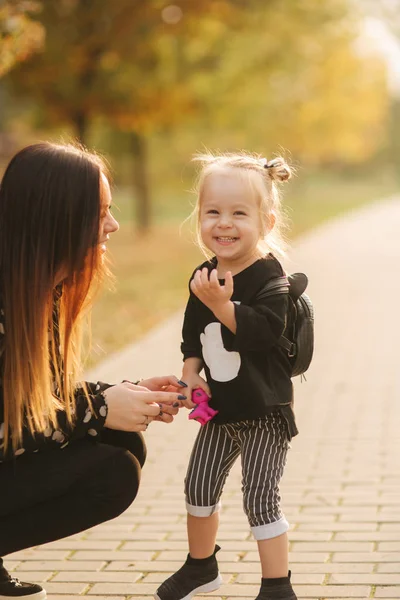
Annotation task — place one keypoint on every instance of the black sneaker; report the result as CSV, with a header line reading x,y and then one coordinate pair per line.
x,y
195,577
277,589
13,588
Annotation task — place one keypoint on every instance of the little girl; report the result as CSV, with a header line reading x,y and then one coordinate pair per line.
x,y
234,338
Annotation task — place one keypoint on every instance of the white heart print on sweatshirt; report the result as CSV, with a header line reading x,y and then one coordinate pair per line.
x,y
223,365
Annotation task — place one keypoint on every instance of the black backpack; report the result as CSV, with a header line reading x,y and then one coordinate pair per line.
x,y
298,337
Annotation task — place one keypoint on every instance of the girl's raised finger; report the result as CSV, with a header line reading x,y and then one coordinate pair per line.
x,y
193,287
229,282
204,277
214,283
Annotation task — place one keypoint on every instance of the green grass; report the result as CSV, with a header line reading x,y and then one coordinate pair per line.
x,y
152,272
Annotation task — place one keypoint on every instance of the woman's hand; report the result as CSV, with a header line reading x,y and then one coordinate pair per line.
x,y
132,407
163,383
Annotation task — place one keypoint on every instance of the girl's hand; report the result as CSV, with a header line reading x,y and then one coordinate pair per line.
x,y
132,409
210,291
193,381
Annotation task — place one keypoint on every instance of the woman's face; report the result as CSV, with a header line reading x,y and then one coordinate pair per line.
x,y
107,222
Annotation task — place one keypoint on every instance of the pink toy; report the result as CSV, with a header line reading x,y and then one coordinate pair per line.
x,y
203,411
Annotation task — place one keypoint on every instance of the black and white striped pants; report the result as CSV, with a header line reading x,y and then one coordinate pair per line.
x,y
263,444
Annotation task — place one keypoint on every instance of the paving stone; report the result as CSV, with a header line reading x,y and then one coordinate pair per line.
x,y
332,546
60,565
34,576
387,592
97,576
66,588
297,578
110,555
38,554
333,591
356,557
69,597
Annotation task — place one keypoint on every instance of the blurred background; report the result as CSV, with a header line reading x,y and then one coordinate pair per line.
x,y
147,83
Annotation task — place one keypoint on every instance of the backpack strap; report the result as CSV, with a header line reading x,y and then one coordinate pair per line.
x,y
279,285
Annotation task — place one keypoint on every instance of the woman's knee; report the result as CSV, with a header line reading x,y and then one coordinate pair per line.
x,y
129,440
137,447
118,482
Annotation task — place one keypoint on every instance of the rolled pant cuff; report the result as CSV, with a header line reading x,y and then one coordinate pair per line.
x,y
270,530
202,511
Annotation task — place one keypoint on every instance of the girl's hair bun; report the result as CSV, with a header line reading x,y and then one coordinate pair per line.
x,y
278,169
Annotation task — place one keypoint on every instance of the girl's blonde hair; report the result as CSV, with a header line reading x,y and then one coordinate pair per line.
x,y
50,210
263,177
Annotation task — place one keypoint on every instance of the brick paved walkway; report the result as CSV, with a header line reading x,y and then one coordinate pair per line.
x,y
341,489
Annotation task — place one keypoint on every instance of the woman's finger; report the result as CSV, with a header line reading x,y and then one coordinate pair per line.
x,y
189,404
134,387
140,427
168,380
163,397
171,410
150,410
164,418
172,388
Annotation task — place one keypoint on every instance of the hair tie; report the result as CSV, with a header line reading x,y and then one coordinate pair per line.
x,y
266,165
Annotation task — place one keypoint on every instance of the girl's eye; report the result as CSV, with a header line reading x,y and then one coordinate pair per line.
x,y
212,212
240,212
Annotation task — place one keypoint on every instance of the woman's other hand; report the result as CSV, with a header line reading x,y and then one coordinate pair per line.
x,y
132,407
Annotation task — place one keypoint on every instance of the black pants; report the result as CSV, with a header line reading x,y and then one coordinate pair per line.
x,y
49,495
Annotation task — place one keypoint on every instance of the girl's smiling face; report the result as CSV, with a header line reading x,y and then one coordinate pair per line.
x,y
230,222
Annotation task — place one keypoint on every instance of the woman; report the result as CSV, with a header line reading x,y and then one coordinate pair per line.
x,y
70,454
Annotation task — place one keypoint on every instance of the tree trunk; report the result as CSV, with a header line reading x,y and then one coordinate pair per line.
x,y
141,182
81,122
394,134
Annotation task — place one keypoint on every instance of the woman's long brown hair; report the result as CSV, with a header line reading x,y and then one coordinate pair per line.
x,y
50,203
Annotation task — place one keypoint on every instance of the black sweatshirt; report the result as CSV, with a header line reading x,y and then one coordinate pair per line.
x,y
87,421
249,374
